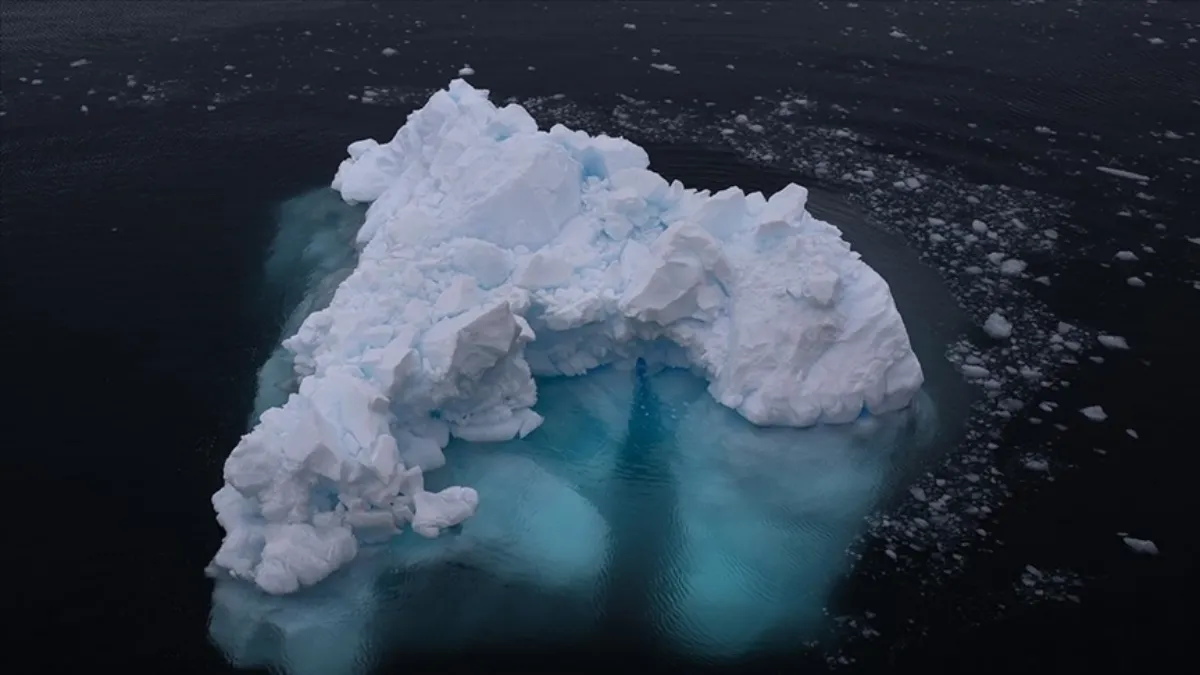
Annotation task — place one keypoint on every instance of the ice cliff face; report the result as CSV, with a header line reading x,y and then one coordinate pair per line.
x,y
493,252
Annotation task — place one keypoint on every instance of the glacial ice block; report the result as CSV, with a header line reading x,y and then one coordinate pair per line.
x,y
493,251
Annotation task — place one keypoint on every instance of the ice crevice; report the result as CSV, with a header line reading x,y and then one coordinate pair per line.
x,y
493,252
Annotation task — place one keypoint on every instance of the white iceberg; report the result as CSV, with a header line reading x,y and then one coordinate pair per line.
x,y
492,252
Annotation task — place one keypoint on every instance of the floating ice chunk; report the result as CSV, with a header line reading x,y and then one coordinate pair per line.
x,y
975,371
1141,545
465,71
1112,341
1121,173
436,511
492,251
1126,256
1039,465
997,326
1094,413
665,67
1012,267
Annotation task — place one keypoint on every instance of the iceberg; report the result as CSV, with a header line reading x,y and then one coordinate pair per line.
x,y
493,252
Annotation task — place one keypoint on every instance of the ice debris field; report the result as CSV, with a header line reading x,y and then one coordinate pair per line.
x,y
493,252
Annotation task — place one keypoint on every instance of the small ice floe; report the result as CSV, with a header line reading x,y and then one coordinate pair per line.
x,y
1141,545
997,327
1112,341
1121,173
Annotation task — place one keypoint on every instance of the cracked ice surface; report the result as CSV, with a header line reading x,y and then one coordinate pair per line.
x,y
492,252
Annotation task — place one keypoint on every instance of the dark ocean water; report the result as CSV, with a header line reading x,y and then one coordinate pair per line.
x,y
137,311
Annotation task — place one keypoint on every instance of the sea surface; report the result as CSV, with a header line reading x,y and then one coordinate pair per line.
x,y
154,157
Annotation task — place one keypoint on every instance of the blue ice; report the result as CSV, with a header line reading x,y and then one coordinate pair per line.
x,y
640,507
311,254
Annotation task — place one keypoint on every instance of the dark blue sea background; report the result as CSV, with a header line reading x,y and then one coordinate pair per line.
x,y
151,154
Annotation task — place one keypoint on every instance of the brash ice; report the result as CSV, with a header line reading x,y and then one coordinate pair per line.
x,y
493,252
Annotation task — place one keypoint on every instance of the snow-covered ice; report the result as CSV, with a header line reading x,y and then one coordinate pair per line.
x,y
492,252
1112,341
997,326
1141,545
1122,173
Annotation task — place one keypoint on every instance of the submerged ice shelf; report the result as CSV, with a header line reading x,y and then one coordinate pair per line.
x,y
641,507
493,252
